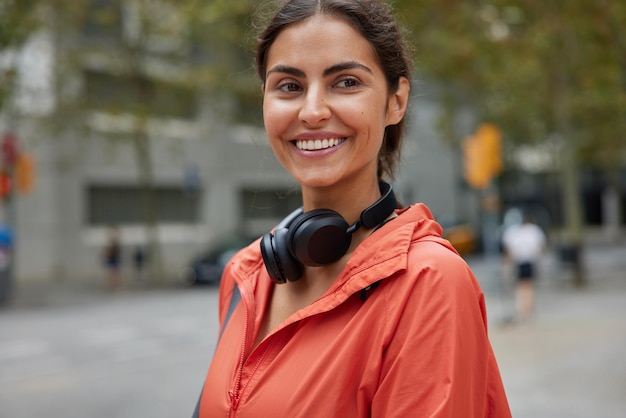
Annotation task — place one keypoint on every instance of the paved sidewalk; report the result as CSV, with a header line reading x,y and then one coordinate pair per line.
x,y
45,295
570,359
56,294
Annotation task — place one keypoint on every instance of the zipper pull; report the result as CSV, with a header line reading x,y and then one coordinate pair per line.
x,y
234,399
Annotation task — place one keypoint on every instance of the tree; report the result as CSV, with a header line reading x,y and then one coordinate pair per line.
x,y
18,19
539,70
146,50
200,44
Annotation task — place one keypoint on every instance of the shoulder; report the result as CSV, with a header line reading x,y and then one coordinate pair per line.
x,y
537,230
436,298
244,265
246,259
436,277
433,258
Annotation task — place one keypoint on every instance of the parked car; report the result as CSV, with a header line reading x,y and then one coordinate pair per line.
x,y
207,267
462,235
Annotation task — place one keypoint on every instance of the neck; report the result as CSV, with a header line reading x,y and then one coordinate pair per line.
x,y
349,200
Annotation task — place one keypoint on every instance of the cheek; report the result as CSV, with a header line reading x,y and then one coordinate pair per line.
x,y
373,119
275,118
267,116
269,121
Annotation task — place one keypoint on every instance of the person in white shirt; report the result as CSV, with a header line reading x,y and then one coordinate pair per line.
x,y
524,244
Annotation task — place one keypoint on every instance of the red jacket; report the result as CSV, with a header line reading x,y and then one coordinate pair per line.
x,y
414,346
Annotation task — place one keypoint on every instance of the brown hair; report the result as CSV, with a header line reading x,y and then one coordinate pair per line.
x,y
375,22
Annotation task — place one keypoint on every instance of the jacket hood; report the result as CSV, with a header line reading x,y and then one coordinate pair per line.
x,y
385,252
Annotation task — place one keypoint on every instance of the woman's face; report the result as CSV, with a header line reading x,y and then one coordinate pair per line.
x,y
326,103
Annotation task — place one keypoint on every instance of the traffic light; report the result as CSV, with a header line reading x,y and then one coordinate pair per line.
x,y
24,173
5,184
482,153
9,148
491,144
475,172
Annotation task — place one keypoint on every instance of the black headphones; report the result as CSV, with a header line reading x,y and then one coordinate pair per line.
x,y
317,237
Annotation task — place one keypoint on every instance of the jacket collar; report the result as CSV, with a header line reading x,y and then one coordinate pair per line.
x,y
381,255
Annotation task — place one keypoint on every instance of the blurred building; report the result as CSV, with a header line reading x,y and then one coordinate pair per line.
x,y
212,176
74,111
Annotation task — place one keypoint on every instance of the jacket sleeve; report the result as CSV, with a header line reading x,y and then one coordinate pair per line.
x,y
438,362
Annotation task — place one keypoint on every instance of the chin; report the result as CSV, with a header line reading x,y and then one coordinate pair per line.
x,y
318,181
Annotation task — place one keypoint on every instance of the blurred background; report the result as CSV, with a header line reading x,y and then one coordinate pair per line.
x,y
133,162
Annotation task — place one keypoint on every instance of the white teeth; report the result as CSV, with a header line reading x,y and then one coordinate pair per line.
x,y
318,144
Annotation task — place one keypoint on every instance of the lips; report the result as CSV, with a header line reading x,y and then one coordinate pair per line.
x,y
318,144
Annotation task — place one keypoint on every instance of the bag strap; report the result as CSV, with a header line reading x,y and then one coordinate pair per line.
x,y
234,301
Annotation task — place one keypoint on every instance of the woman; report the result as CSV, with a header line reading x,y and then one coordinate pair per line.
x,y
359,310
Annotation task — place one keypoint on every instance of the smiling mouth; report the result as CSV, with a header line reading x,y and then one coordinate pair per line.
x,y
318,144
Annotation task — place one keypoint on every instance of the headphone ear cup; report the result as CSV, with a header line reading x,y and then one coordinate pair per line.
x,y
281,265
269,259
319,237
290,266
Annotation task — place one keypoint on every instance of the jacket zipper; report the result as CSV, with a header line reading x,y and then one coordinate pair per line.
x,y
235,393
254,369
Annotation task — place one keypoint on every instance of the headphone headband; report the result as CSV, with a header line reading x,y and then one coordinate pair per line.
x,y
376,214
372,216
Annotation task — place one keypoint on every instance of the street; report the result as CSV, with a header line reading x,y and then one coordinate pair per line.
x,y
122,355
568,361
83,352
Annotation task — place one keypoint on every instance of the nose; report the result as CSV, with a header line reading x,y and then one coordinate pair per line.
x,y
315,107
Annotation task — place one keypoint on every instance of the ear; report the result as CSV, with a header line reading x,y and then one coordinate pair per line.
x,y
398,102
263,88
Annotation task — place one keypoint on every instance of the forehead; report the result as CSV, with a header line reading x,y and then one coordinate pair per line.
x,y
320,39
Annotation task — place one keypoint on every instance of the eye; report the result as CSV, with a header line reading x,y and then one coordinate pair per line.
x,y
348,83
289,87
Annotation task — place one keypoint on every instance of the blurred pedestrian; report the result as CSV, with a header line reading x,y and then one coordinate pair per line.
x,y
139,259
113,259
523,244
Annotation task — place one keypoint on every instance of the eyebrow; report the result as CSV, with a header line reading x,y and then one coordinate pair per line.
x,y
349,65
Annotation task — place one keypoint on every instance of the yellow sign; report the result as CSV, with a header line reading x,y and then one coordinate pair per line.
x,y
482,153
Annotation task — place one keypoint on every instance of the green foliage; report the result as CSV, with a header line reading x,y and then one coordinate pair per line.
x,y
525,64
18,18
509,60
221,35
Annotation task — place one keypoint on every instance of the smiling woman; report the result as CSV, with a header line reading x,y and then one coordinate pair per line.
x,y
317,89
352,306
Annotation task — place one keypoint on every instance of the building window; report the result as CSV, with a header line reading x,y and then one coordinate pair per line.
x,y
269,203
124,205
140,95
